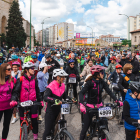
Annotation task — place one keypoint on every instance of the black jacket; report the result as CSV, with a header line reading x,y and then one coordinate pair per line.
x,y
103,59
56,65
74,70
17,89
122,62
95,89
123,84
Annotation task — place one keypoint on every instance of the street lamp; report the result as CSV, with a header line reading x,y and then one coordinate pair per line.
x,y
128,25
30,20
92,35
42,29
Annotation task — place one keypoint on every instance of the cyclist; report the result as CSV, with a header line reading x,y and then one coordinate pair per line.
x,y
131,109
28,57
95,85
60,60
73,58
42,77
71,70
54,93
105,59
41,55
86,69
6,86
26,89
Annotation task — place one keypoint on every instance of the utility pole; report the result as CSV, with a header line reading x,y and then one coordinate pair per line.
x,y
30,21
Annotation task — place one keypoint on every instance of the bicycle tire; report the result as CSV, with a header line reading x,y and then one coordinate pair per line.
x,y
107,135
24,135
64,133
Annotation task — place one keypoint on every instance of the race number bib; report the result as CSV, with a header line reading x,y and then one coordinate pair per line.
x,y
26,103
105,112
72,80
65,109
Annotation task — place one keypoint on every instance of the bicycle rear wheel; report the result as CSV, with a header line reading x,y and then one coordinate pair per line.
x,y
106,134
24,133
64,135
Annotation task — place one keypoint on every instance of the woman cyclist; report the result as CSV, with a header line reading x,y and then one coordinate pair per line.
x,y
94,86
54,93
26,89
6,86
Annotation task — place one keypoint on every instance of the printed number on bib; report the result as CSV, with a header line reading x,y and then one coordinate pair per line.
x,y
105,112
26,103
72,80
65,109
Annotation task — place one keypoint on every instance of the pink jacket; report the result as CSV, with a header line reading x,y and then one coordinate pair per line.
x,y
28,91
6,94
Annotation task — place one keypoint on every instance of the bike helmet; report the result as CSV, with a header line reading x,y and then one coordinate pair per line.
x,y
14,57
29,52
42,65
59,72
16,63
28,65
118,66
34,56
113,58
48,55
1,54
58,55
96,68
134,86
23,52
71,61
98,60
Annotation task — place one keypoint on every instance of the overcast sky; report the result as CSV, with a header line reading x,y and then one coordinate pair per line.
x,y
102,15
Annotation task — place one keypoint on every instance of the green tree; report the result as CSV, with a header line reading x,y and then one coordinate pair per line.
x,y
15,32
126,42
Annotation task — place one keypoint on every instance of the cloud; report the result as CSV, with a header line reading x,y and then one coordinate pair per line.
x,y
79,8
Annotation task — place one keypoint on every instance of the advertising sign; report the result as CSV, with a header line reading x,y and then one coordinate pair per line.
x,y
84,35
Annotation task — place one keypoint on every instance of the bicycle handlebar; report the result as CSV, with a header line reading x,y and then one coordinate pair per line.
x,y
34,103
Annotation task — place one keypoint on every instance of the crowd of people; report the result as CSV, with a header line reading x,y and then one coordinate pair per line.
x,y
39,75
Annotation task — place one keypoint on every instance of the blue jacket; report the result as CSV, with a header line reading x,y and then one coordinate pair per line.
x,y
134,110
40,57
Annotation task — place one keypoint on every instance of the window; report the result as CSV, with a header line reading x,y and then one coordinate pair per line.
x,y
135,38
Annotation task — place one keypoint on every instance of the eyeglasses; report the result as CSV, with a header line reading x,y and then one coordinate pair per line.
x,y
32,68
71,64
9,69
130,69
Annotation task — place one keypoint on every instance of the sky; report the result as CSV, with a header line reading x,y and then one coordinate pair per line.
x,y
101,15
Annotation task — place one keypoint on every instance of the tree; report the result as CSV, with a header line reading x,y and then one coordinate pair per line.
x,y
3,38
126,42
16,35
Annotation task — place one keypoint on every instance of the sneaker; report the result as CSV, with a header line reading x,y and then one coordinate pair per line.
x,y
14,120
40,118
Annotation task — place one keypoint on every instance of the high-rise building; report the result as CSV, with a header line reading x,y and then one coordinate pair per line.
x,y
46,37
134,24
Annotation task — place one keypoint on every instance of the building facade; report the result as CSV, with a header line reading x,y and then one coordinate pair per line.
x,y
39,37
46,37
109,38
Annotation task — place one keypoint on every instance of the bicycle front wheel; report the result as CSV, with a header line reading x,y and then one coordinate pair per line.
x,y
64,135
106,135
24,133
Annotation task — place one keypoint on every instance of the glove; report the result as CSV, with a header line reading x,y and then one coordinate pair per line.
x,y
82,108
42,104
13,103
57,101
119,103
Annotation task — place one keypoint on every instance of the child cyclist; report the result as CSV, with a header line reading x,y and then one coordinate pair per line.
x,y
54,93
26,89
131,109
94,86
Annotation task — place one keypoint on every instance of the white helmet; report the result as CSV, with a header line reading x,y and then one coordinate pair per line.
x,y
28,65
59,72
42,65
58,55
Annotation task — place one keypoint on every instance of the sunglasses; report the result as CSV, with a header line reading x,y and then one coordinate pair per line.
x,y
9,69
32,68
130,69
71,64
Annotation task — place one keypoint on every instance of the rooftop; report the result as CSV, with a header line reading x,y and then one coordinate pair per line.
x,y
138,30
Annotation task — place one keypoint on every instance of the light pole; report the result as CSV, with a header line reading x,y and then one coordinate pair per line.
x,y
92,35
30,21
42,29
128,25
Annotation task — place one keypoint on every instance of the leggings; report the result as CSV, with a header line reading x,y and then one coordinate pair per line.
x,y
87,122
130,135
50,118
74,90
33,111
6,123
40,107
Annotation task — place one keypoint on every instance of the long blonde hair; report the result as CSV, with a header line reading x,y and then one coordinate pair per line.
x,y
3,74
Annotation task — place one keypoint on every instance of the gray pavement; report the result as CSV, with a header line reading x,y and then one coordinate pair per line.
x,y
73,125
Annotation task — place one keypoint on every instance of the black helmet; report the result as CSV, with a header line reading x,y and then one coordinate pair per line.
x,y
48,55
134,86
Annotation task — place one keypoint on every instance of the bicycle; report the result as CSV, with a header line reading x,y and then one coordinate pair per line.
x,y
60,132
26,124
137,136
99,126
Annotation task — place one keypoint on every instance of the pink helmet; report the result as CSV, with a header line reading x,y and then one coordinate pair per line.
x,y
96,68
16,63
